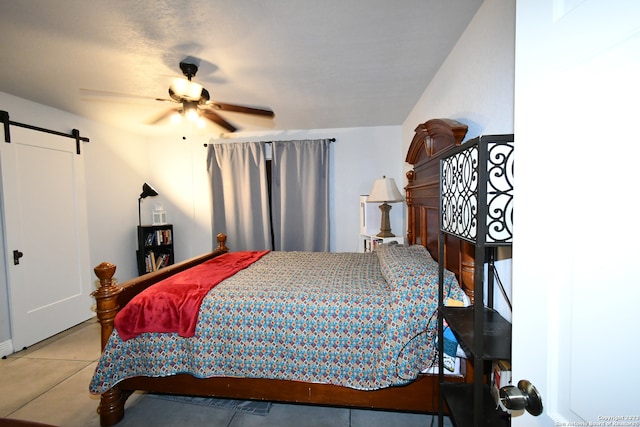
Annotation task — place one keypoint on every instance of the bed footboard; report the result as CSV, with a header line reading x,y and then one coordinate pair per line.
x,y
110,297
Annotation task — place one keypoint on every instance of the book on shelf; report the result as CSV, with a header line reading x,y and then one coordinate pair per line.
x,y
158,238
162,261
147,263
154,263
163,237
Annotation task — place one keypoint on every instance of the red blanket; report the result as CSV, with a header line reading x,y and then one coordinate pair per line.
x,y
173,304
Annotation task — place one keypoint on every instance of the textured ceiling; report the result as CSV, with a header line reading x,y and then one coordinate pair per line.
x,y
316,63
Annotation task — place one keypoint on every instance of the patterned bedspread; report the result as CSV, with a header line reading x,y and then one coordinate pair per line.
x,y
361,320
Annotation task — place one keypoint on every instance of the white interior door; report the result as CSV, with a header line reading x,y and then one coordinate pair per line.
x,y
45,219
576,236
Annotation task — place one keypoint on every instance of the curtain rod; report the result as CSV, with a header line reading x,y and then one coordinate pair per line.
x,y
271,142
330,140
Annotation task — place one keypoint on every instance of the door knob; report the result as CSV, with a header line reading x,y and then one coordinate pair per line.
x,y
16,257
525,396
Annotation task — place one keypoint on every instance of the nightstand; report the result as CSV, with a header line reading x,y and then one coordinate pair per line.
x,y
369,242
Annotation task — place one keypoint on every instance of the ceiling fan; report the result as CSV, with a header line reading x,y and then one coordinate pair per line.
x,y
194,102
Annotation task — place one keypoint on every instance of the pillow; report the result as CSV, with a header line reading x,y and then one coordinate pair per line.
x,y
411,265
399,260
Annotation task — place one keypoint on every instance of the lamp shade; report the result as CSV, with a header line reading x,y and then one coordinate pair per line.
x,y
385,190
147,191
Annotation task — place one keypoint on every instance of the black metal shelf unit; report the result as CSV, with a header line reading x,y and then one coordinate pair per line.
x,y
476,205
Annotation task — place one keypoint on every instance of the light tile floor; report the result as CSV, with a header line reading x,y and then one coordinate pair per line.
x,y
48,383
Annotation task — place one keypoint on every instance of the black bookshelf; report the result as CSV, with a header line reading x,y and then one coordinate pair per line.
x,y
155,247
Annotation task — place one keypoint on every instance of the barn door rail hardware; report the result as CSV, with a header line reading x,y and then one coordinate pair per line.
x,y
75,133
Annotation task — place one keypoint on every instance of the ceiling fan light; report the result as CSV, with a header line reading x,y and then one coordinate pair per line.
x,y
179,86
191,114
176,118
187,89
194,91
200,123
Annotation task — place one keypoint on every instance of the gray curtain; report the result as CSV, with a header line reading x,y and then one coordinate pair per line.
x,y
240,195
300,195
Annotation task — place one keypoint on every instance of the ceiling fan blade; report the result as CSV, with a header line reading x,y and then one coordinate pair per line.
x,y
162,116
214,117
94,92
240,109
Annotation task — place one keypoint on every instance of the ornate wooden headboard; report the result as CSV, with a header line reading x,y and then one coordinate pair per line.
x,y
432,139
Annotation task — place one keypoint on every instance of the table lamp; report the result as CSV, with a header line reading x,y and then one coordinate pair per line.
x,y
386,191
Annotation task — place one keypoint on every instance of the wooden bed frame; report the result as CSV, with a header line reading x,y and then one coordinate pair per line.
x,y
431,140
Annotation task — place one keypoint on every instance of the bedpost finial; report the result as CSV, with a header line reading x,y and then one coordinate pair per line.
x,y
222,240
107,287
105,271
410,176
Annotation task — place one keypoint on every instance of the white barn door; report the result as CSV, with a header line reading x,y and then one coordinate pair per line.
x,y
44,210
576,237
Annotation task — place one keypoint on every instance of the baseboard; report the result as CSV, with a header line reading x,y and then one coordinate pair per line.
x,y
6,348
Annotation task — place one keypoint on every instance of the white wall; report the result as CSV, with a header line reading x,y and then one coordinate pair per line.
x,y
5,326
475,83
475,86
